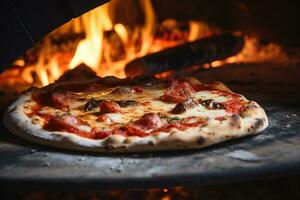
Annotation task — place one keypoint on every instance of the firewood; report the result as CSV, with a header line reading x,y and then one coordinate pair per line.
x,y
202,51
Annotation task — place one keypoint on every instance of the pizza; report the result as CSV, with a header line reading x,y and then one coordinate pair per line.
x,y
133,114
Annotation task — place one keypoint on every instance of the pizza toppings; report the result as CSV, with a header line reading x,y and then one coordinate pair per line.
x,y
141,121
137,89
177,92
109,107
183,124
220,118
91,105
105,118
70,124
60,100
234,106
195,83
211,104
54,97
185,105
117,131
126,103
145,125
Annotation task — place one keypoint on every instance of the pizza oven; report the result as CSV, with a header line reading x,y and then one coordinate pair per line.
x,y
251,46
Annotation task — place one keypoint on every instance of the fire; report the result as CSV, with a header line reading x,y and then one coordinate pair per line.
x,y
122,32
89,50
54,69
94,52
148,29
107,46
198,29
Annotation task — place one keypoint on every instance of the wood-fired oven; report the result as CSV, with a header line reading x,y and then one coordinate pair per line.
x,y
252,46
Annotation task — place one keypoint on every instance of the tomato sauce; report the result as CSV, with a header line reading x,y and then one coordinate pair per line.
x,y
54,124
34,110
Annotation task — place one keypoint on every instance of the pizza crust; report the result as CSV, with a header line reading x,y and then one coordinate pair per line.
x,y
252,120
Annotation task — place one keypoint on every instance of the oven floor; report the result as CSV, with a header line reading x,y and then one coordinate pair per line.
x,y
273,153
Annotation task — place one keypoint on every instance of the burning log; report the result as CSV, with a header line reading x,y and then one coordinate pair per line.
x,y
202,51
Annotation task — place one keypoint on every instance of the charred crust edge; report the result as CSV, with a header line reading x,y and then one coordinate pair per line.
x,y
258,123
200,140
235,120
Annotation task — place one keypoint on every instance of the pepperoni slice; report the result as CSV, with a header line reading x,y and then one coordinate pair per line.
x,y
69,124
234,106
145,125
60,100
109,107
183,125
57,98
34,110
220,118
178,92
116,131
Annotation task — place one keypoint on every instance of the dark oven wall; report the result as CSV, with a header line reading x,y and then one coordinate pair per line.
x,y
275,21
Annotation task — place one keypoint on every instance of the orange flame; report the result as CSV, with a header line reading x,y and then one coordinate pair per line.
x,y
92,48
89,50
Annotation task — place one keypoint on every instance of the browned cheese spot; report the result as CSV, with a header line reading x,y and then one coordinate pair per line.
x,y
90,105
200,140
109,146
127,103
211,133
248,109
35,121
235,121
259,123
211,104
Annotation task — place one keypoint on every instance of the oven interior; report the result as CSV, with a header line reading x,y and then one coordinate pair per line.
x,y
109,37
